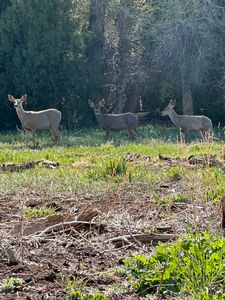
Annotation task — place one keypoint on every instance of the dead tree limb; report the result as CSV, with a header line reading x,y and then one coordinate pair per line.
x,y
143,238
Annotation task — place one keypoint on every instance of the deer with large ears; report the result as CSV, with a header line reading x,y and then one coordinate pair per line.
x,y
37,120
185,123
115,122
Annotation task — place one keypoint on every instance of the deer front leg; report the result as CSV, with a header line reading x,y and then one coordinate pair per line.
x,y
26,133
33,136
183,135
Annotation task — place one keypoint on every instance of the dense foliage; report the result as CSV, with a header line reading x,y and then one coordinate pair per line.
x,y
63,52
194,266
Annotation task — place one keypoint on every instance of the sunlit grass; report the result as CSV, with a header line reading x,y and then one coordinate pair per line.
x,y
86,161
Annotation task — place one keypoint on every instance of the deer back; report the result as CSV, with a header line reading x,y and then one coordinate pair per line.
x,y
118,121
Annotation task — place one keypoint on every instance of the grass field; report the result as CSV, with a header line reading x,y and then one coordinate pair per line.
x,y
153,184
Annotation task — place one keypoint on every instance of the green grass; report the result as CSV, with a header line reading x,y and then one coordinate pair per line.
x,y
102,159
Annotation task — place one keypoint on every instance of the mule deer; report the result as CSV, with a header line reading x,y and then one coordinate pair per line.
x,y
115,122
37,120
185,122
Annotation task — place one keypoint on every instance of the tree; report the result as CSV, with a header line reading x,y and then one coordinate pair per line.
x,y
41,54
184,38
95,48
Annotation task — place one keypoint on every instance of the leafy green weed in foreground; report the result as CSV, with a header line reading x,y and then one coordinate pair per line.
x,y
195,266
78,295
38,213
75,290
10,284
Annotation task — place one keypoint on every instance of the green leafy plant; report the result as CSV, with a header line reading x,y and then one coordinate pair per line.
x,y
9,284
173,173
216,194
195,265
75,290
79,295
172,199
30,212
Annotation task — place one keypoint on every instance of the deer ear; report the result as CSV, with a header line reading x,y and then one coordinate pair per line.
x,y
24,97
102,102
11,98
91,104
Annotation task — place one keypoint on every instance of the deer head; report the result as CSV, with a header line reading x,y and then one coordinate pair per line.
x,y
17,102
169,107
97,106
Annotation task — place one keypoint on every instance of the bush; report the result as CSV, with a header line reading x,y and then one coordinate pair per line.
x,y
195,265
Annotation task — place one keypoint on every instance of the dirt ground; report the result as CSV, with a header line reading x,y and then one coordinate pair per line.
x,y
80,252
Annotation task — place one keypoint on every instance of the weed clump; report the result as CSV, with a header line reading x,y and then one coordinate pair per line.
x,y
195,266
9,284
38,213
174,173
116,166
78,295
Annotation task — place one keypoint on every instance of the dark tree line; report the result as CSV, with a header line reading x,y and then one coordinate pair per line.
x,y
64,52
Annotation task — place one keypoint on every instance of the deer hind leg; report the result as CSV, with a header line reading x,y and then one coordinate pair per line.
x,y
106,134
135,131
56,134
132,133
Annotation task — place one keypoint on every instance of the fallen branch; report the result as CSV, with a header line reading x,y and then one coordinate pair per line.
x,y
143,238
68,225
33,226
56,222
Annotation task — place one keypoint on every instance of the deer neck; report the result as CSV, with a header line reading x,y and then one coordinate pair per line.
x,y
20,112
174,117
99,118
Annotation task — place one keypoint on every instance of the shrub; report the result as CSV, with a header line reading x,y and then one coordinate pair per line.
x,y
195,265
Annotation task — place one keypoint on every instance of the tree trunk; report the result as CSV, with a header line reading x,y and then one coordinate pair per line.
x,y
134,92
187,100
95,47
122,54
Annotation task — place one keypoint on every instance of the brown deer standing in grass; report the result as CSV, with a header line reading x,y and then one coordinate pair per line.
x,y
37,120
115,122
185,123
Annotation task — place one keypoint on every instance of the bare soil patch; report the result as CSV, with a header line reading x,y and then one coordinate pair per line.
x,y
81,252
